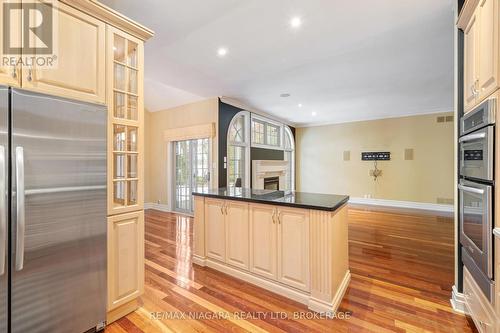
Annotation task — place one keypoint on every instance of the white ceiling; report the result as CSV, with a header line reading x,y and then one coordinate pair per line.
x,y
350,60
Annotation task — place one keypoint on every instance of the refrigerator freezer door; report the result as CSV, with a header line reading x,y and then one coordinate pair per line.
x,y
4,267
58,262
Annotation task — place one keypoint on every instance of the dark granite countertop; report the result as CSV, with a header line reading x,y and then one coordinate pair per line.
x,y
328,202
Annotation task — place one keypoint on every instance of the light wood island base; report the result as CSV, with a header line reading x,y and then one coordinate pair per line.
x,y
298,253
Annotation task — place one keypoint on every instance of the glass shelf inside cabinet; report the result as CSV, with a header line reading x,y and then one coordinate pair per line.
x,y
119,193
132,54
131,138
132,192
119,137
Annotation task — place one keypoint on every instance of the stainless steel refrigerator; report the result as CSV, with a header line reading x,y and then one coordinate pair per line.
x,y
53,214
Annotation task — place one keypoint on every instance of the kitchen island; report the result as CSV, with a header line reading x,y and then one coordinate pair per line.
x,y
291,243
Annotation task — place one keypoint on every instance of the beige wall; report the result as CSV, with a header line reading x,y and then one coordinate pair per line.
x,y
429,176
158,164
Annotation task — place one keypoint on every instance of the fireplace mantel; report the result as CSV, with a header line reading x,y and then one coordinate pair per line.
x,y
268,168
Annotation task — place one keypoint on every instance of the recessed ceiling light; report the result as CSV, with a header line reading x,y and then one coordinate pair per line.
x,y
299,105
285,95
296,22
221,52
313,113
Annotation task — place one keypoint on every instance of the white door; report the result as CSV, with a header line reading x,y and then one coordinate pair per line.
x,y
191,172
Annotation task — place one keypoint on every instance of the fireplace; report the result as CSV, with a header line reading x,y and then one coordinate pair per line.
x,y
273,172
272,183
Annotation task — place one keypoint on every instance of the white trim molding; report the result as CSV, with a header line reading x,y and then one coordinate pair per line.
x,y
458,301
403,204
157,206
313,303
163,208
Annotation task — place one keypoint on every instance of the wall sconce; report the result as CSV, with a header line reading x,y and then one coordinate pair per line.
x,y
375,172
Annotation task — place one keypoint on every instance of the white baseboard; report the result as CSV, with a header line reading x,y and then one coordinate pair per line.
x,y
163,208
157,206
403,204
321,306
458,301
296,295
198,260
303,297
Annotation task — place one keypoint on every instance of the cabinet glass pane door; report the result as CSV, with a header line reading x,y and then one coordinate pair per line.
x,y
191,173
125,55
125,165
126,74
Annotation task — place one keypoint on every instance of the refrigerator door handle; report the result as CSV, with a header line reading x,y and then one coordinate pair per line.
x,y
20,208
3,210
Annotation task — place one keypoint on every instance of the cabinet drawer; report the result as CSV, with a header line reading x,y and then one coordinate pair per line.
x,y
478,305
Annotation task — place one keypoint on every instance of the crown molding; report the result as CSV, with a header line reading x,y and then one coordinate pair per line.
x,y
466,13
112,17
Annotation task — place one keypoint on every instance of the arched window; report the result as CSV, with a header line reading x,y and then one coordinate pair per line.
x,y
238,150
289,156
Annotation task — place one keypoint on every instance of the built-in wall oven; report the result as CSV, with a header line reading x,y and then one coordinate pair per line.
x,y
476,184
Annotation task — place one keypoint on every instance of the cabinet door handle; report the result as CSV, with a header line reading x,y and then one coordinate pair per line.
x,y
274,216
222,209
225,207
30,75
474,90
279,217
14,72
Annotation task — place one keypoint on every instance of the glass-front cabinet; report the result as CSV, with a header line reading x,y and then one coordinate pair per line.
x,y
126,120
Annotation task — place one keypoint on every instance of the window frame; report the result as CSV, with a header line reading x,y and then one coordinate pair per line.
x,y
284,130
245,145
266,122
288,131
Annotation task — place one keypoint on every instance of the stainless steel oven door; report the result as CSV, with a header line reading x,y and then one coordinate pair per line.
x,y
476,223
476,154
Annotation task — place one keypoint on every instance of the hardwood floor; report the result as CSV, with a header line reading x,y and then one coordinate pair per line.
x,y
402,273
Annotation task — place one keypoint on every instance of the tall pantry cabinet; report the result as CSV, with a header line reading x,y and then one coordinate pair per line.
x,y
100,58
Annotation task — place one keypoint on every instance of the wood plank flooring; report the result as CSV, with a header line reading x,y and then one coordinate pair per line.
x,y
402,273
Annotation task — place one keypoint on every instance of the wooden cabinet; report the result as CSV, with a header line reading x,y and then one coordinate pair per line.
x,y
293,247
125,122
10,75
481,53
125,258
125,100
215,231
478,306
298,253
470,63
237,234
263,240
279,244
80,69
488,11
